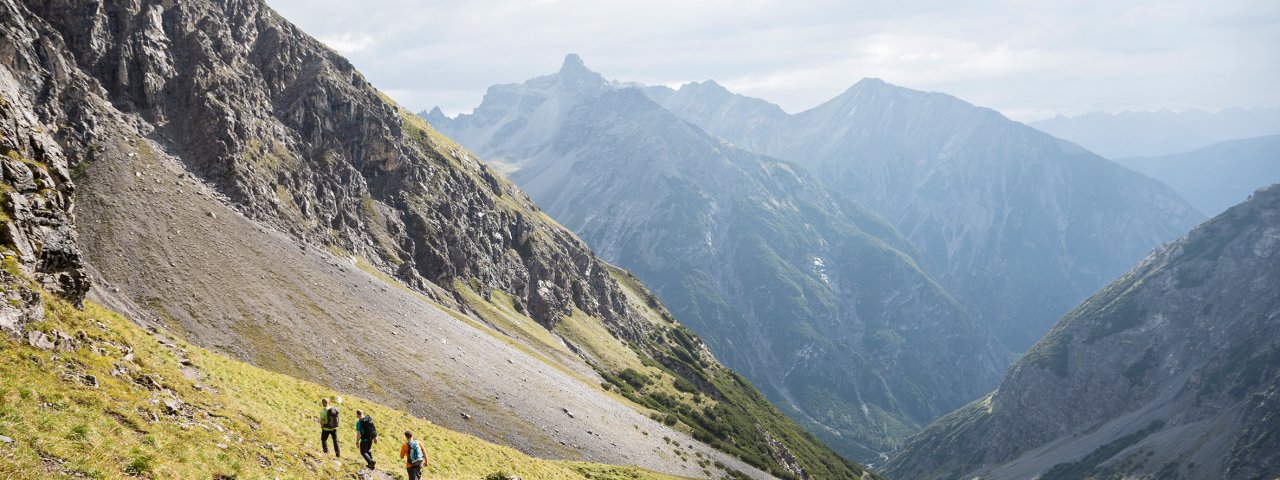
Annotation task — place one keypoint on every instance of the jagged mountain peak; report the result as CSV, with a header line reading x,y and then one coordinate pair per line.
x,y
872,91
706,86
574,73
573,64
435,116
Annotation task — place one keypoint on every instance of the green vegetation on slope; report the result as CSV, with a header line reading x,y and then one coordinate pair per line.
x,y
674,377
113,401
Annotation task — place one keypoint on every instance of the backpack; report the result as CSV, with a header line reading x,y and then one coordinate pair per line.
x,y
416,455
331,418
368,431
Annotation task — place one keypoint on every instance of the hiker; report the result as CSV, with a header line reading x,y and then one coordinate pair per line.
x,y
366,436
415,456
329,427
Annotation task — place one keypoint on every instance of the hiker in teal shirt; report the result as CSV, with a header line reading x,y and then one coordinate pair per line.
x,y
366,436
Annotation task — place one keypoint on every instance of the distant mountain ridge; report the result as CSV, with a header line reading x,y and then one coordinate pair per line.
x,y
1171,372
1218,176
1017,225
816,299
1149,134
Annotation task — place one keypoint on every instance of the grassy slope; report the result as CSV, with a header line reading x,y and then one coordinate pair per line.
x,y
242,422
677,382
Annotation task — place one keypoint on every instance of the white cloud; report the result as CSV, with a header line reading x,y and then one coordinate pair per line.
x,y
1028,59
348,43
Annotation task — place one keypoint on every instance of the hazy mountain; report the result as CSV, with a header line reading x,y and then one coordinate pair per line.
x,y
1173,371
1018,225
1217,176
1149,134
234,182
815,299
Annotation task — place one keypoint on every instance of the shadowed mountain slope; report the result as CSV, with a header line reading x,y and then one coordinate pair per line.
x,y
1017,225
1218,176
1172,371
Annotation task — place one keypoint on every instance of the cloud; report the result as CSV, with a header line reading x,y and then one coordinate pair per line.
x,y
348,43
1028,59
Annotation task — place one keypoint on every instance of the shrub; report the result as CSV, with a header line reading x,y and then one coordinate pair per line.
x,y
634,378
140,465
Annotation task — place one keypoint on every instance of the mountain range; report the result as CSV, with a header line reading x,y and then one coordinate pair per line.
x,y
1017,225
1219,175
817,300
213,173
209,221
1172,371
1159,133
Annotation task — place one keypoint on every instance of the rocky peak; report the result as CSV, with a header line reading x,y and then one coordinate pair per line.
x,y
708,87
435,115
574,75
573,65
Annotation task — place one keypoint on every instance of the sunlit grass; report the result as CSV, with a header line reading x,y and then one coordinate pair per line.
x,y
239,422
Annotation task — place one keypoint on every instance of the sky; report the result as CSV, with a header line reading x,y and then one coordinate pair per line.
x,y
1028,59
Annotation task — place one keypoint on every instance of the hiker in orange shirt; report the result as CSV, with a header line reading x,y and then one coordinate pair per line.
x,y
415,456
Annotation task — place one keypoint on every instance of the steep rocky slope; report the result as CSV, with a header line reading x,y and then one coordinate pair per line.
x,y
242,185
1015,224
1219,175
1173,371
812,297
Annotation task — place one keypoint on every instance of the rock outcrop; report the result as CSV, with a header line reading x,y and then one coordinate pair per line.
x,y
1170,372
40,110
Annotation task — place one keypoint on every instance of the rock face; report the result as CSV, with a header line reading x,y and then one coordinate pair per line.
x,y
1173,371
1017,225
208,136
815,299
1218,176
39,109
289,131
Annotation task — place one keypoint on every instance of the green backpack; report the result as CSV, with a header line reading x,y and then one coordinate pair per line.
x,y
331,418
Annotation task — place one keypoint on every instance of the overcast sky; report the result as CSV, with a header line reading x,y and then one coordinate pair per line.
x,y
1028,59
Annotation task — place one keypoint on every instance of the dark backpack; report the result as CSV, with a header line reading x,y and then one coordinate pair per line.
x,y
368,431
331,417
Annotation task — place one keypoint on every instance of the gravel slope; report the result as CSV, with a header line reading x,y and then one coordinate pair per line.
x,y
166,246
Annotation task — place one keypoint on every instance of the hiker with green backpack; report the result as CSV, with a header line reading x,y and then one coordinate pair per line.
x,y
415,456
329,427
